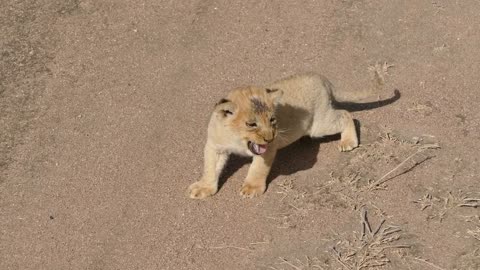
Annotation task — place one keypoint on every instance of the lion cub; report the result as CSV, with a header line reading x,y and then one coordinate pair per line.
x,y
257,121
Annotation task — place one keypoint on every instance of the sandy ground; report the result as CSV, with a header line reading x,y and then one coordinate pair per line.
x,y
104,106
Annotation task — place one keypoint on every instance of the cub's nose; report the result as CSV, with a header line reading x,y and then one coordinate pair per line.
x,y
268,140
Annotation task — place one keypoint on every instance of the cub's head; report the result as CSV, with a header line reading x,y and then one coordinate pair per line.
x,y
250,113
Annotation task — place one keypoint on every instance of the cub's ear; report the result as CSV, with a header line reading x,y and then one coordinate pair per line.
x,y
275,94
225,108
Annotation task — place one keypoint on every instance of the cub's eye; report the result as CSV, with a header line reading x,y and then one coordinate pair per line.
x,y
273,120
251,125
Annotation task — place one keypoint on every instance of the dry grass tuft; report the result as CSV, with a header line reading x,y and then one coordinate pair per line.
x,y
286,188
380,71
306,264
427,201
440,206
371,248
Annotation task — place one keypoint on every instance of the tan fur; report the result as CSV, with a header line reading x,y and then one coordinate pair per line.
x,y
302,106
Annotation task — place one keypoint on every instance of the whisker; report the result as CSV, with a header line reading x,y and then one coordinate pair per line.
x,y
282,138
283,130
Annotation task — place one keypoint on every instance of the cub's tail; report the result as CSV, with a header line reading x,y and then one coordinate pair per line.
x,y
364,99
362,106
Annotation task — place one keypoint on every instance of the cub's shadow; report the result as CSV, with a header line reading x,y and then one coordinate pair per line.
x,y
299,156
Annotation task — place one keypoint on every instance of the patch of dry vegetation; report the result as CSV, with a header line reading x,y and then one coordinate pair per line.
x,y
469,261
371,247
440,205
351,187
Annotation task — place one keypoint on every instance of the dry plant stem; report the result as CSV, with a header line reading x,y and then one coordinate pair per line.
x,y
398,246
338,258
469,205
365,221
475,233
259,243
293,206
428,263
366,224
240,248
470,202
284,261
363,231
379,227
384,178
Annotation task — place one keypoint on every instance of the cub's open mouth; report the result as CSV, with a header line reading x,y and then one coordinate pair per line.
x,y
257,149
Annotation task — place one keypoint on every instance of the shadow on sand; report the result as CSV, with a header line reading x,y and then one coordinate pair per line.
x,y
286,161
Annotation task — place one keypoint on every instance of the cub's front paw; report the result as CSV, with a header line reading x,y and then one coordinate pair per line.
x,y
201,190
250,190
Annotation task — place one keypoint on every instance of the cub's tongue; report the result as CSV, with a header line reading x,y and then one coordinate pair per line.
x,y
260,148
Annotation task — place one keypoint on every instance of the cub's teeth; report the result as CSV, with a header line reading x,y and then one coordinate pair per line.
x,y
256,147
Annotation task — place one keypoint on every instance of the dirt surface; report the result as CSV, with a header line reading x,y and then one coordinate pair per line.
x,y
104,106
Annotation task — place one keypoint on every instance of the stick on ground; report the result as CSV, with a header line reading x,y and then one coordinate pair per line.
x,y
384,178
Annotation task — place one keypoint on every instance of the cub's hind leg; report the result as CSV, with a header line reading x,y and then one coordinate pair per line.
x,y
334,122
349,137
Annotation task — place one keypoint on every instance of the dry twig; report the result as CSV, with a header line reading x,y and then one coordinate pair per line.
x,y
284,261
228,246
427,263
384,178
